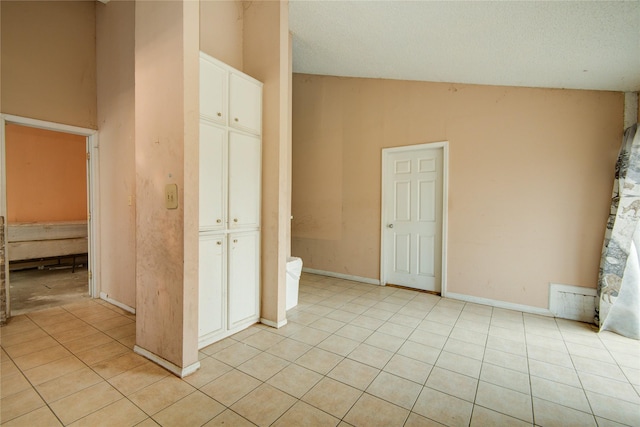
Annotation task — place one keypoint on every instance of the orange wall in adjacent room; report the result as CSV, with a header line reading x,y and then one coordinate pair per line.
x,y
46,175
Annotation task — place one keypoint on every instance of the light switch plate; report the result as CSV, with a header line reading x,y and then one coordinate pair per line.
x,y
171,196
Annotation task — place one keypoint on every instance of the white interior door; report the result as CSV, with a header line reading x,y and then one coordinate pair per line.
x,y
412,217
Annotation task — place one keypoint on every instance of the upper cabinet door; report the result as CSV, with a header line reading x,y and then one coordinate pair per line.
x,y
213,91
245,104
244,181
212,177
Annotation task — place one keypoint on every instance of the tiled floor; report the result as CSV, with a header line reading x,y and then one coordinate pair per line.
x,y
352,354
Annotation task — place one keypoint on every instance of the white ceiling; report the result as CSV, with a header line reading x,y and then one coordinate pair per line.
x,y
558,44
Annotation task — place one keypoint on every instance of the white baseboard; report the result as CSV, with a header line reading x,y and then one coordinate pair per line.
x,y
277,325
500,304
341,276
175,369
125,307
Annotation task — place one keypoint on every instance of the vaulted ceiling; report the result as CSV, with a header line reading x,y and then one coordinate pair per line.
x,y
558,44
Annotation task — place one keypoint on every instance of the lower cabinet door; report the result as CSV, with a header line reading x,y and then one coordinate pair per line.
x,y
211,309
243,278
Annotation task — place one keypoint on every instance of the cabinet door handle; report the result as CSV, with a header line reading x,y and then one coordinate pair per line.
x,y
218,221
235,240
219,114
235,219
236,119
219,242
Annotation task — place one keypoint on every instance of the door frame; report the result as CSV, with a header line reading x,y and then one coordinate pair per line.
x,y
93,194
441,145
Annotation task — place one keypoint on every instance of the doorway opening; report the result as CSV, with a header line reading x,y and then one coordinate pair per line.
x,y
49,177
414,216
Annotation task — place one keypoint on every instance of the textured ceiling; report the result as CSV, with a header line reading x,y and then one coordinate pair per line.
x,y
558,44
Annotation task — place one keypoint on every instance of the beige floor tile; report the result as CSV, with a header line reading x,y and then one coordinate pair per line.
x,y
236,354
549,414
396,330
122,331
612,388
460,364
42,417
263,366
402,319
55,369
505,330
435,327
161,394
118,364
408,368
310,336
505,401
210,369
399,391
303,318
319,360
443,408
367,322
429,338
12,384
41,357
230,387
342,316
217,346
353,332
25,348
504,377
385,341
18,404
295,380
85,343
372,356
304,415
318,309
354,308
369,411
339,345
102,352
354,373
560,358
68,384
562,394
332,396
128,342
121,413
421,352
452,383
506,345
112,323
614,409
264,405
288,329
85,402
463,348
327,325
64,336
415,420
194,410
263,339
483,417
289,349
137,378
15,339
468,332
556,373
590,366
228,418
8,367
603,422
506,360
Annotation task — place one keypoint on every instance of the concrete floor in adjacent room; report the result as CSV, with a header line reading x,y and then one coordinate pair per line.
x,y
52,286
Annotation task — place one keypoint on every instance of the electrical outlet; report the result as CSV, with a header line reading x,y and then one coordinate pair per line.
x,y
171,196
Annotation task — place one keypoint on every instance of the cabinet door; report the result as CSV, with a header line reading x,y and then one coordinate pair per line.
x,y
243,278
245,104
212,177
244,181
212,295
213,91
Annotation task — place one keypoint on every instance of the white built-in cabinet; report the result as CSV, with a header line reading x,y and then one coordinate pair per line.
x,y
230,185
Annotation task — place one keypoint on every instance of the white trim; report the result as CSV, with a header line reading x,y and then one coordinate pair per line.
x,y
174,369
444,145
276,325
630,109
501,304
341,276
125,307
93,188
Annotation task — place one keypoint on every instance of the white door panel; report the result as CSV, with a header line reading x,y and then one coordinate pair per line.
x,y
211,285
244,280
412,215
245,104
213,204
245,161
213,92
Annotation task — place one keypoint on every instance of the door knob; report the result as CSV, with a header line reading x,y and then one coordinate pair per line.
x,y
390,225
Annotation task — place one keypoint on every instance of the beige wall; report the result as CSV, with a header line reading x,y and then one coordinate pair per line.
x,y
266,57
49,61
115,28
530,178
166,139
221,30
46,175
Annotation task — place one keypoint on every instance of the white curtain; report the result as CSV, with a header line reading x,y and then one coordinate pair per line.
x,y
618,303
